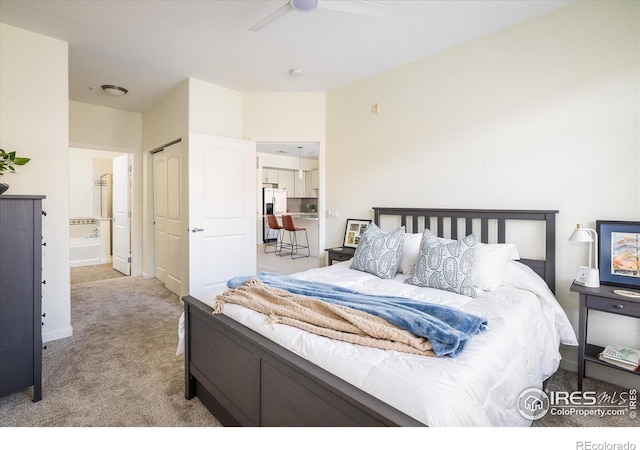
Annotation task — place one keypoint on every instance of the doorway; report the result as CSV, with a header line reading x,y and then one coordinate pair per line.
x,y
290,167
95,245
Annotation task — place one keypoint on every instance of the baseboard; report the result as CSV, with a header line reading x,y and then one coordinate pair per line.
x,y
57,334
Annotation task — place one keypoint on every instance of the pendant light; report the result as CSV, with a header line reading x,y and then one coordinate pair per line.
x,y
300,174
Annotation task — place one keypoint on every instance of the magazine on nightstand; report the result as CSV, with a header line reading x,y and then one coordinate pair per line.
x,y
621,356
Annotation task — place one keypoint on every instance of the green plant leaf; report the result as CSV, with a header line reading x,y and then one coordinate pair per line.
x,y
9,159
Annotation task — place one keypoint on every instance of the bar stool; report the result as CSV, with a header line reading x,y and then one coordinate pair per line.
x,y
287,223
272,224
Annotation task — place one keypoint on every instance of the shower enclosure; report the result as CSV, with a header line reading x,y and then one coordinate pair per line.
x,y
90,237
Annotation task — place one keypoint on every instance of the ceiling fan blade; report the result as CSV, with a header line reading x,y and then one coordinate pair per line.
x,y
354,6
278,13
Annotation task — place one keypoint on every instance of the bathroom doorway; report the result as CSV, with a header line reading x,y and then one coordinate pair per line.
x,y
99,214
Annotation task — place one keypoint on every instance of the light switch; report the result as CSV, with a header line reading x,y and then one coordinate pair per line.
x,y
333,213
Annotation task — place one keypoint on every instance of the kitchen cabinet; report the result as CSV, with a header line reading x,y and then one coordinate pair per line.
x,y
300,188
315,180
270,176
287,181
310,179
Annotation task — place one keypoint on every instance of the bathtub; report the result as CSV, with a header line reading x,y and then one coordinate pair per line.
x,y
89,241
84,251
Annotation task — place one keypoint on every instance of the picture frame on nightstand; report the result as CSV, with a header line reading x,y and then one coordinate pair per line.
x,y
619,252
353,231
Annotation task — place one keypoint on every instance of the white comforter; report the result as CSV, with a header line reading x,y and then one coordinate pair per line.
x,y
480,387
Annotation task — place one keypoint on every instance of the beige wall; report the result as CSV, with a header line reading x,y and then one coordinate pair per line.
x,y
34,121
100,126
544,115
284,117
168,119
214,109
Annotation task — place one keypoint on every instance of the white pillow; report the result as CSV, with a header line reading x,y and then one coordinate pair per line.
x,y
410,252
490,264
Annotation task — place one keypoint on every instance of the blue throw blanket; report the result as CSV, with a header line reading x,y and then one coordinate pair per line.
x,y
448,329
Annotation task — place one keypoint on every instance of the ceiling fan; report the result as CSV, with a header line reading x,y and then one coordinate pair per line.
x,y
347,6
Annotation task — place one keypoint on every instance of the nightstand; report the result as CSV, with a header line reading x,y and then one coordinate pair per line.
x,y
605,300
340,254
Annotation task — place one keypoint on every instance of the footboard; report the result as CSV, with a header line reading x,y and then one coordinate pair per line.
x,y
245,379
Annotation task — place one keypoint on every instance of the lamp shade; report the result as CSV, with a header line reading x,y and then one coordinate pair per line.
x,y
580,235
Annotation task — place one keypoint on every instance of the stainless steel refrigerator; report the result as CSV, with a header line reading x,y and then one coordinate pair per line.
x,y
274,201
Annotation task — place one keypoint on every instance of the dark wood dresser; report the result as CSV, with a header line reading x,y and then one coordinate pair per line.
x,y
21,294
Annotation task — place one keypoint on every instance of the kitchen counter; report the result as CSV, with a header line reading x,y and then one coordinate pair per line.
x,y
301,215
304,215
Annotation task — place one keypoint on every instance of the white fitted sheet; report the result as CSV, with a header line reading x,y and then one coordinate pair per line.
x,y
519,350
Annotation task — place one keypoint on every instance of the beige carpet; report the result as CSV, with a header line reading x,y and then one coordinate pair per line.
x,y
119,368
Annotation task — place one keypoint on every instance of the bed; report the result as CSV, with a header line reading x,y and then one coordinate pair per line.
x,y
249,372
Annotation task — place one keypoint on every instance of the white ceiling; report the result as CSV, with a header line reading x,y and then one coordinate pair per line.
x,y
149,47
308,150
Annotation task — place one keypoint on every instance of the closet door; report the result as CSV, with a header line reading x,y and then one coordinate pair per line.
x,y
169,219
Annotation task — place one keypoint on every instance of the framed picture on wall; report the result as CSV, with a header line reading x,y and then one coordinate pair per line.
x,y
619,252
355,228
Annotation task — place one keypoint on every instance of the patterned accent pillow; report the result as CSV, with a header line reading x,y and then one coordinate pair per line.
x,y
445,266
379,253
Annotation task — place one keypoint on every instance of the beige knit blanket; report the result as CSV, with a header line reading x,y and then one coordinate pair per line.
x,y
322,318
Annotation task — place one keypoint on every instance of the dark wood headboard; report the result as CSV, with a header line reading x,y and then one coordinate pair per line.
x,y
490,226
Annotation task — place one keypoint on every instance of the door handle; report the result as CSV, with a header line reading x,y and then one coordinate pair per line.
x,y
195,230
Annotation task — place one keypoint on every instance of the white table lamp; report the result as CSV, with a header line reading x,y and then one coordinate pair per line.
x,y
588,276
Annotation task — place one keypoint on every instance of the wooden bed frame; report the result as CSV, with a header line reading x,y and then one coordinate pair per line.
x,y
246,379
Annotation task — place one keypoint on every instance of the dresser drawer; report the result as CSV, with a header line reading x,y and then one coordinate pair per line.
x,y
613,305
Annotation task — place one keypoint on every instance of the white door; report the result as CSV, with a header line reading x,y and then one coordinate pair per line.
x,y
167,216
121,215
222,212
